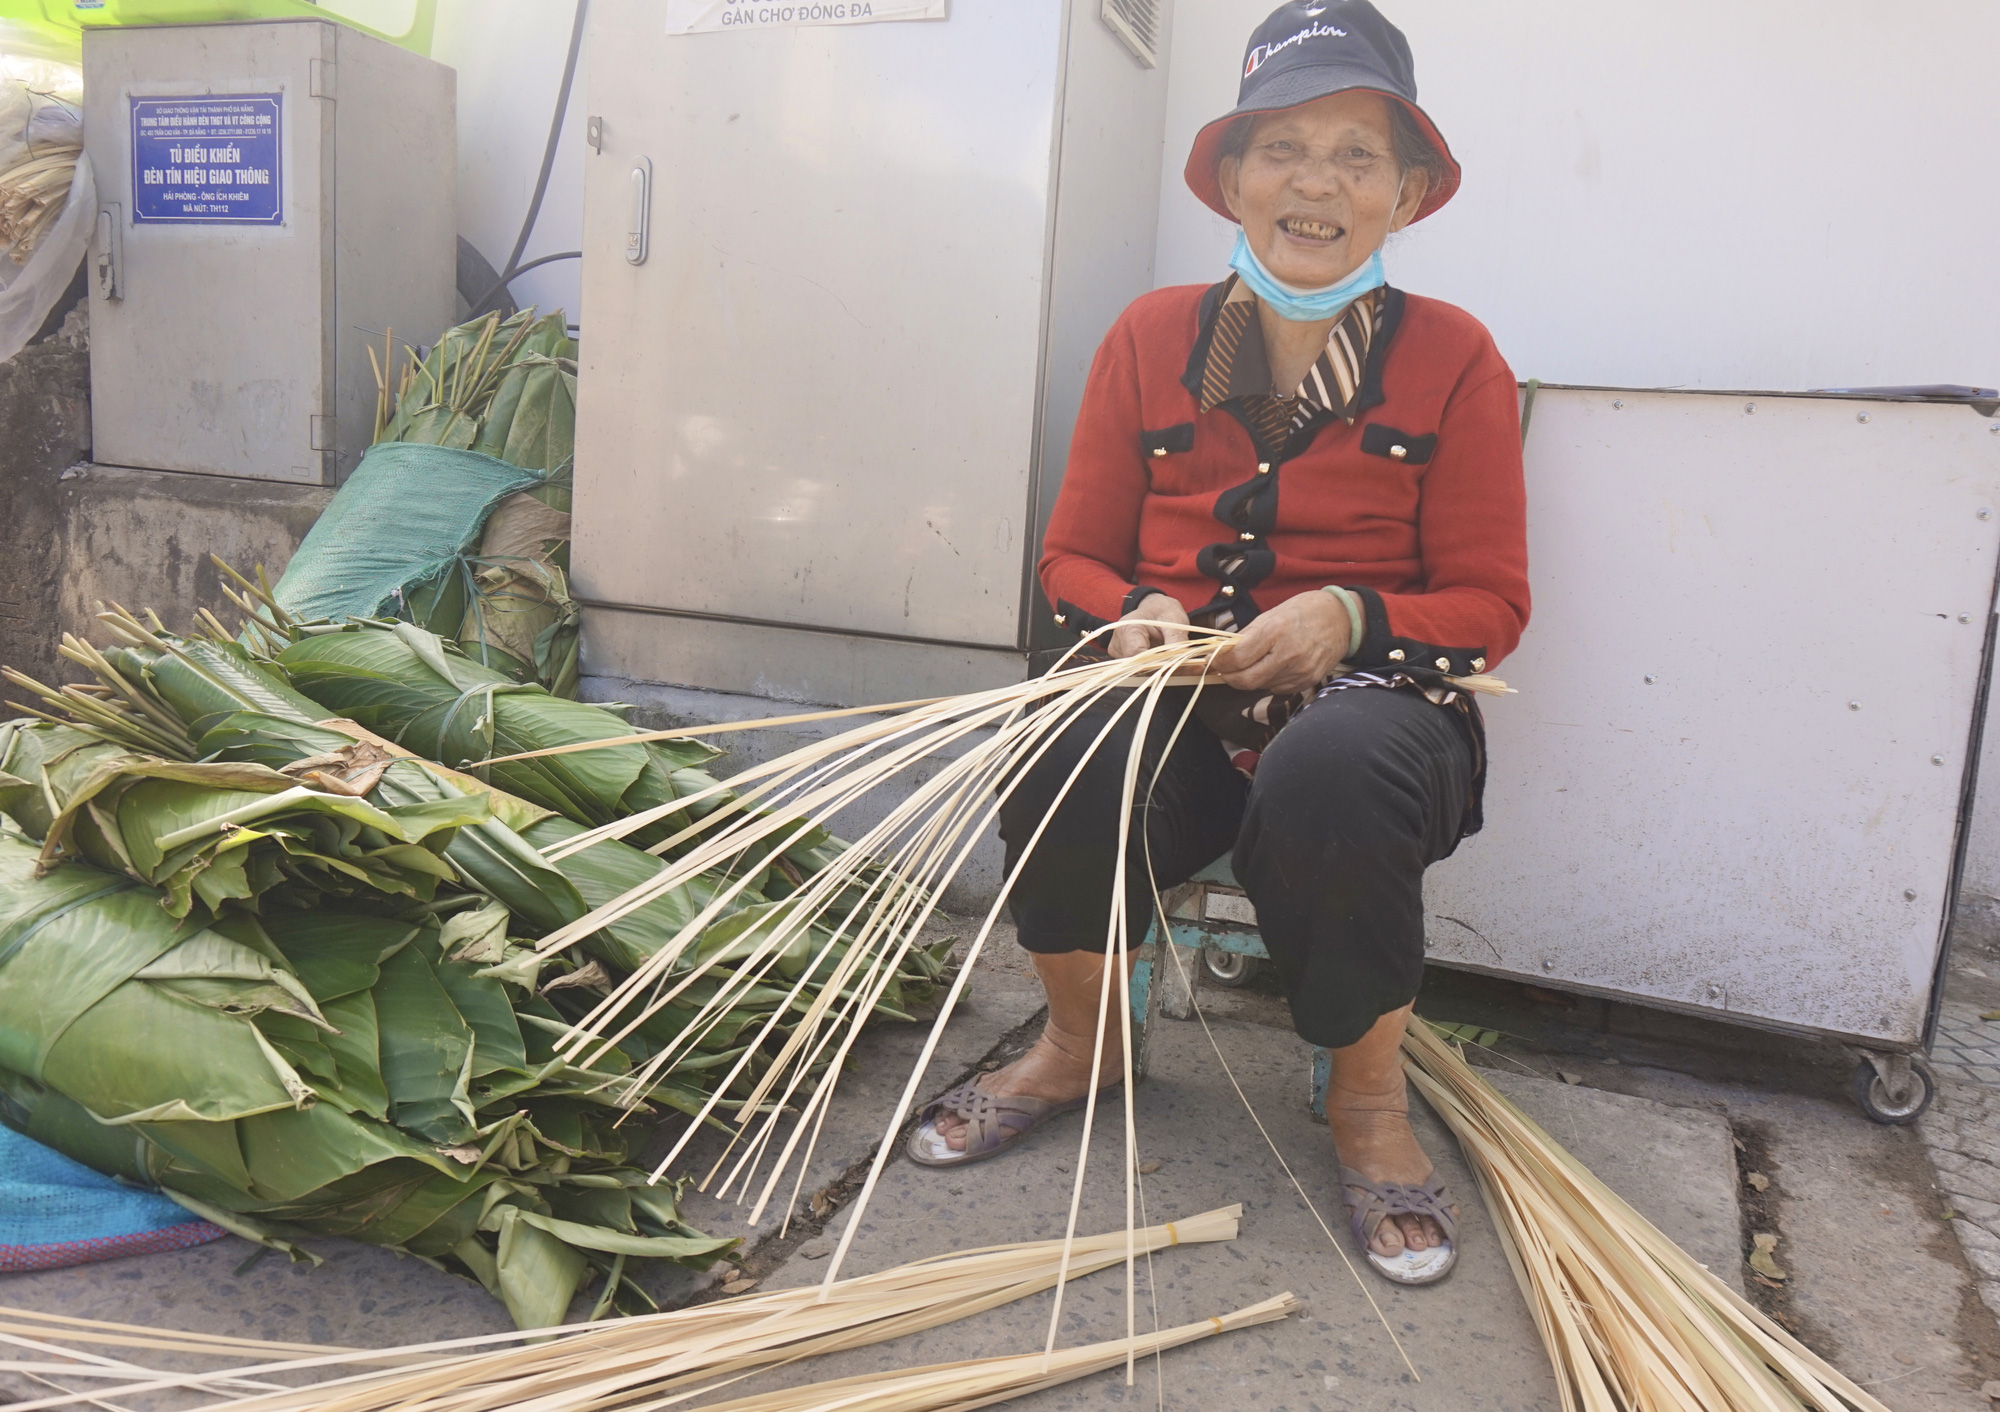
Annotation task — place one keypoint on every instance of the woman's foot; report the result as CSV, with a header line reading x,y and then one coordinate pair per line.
x,y
1057,1069
1368,1109
1377,1143
1052,1071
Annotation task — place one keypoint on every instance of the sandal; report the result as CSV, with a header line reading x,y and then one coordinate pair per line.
x,y
1369,1204
992,1123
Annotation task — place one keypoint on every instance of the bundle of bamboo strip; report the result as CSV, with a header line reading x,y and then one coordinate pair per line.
x,y
646,1359
988,741
944,1387
1631,1321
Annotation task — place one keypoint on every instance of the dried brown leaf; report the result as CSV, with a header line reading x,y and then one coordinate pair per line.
x,y
1760,1257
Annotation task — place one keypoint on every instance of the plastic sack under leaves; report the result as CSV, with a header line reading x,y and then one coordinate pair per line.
x,y
432,529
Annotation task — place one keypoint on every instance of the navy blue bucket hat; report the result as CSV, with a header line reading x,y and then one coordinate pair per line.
x,y
1308,49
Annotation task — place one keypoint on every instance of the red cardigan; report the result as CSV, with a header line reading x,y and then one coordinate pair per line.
x,y
1418,506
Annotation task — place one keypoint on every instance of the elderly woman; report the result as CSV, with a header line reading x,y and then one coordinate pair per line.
x,y
1331,468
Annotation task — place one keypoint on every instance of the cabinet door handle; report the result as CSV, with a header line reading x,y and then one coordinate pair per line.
x,y
110,236
640,224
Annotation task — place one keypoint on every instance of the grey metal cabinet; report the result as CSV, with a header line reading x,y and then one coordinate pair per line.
x,y
273,199
822,417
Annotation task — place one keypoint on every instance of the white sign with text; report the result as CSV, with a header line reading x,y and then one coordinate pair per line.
x,y
708,16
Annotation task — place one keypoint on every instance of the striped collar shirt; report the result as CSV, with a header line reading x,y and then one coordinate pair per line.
x,y
1238,368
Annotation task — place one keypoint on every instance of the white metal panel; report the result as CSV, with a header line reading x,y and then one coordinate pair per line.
x,y
1982,852
1752,633
1704,194
814,403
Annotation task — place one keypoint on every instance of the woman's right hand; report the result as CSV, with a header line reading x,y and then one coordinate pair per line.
x,y
1149,625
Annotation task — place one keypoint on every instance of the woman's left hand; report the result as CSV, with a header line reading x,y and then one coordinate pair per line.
x,y
1293,647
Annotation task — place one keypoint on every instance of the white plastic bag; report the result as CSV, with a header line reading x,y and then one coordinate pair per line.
x,y
28,292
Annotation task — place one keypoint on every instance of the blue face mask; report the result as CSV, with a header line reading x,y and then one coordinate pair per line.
x,y
1305,306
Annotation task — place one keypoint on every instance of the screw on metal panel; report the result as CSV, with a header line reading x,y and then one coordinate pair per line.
x,y
1909,894
1965,617
1749,406
1715,992
1937,759
1854,705
1548,965
1993,427
1860,416
1651,680
1616,405
1985,514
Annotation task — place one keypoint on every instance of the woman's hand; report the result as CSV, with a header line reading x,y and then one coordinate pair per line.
x,y
1293,647
1132,636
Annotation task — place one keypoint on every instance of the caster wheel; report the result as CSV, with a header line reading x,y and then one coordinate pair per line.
x,y
1230,968
1873,1095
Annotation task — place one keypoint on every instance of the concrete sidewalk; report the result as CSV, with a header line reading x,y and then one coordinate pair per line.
x,y
1470,1338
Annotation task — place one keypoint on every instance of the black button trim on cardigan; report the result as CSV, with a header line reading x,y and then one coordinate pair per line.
x,y
1251,508
1381,440
1139,595
1240,565
1252,505
1070,616
1425,662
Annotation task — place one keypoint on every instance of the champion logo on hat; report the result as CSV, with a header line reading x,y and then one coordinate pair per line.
x,y
1262,52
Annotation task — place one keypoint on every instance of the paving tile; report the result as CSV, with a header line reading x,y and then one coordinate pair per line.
x,y
1985,1213
1976,1182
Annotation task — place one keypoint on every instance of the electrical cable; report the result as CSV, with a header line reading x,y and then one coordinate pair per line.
x,y
502,283
514,268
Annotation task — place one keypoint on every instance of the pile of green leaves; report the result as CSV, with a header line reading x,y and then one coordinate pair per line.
x,y
506,389
215,832
298,966
318,1073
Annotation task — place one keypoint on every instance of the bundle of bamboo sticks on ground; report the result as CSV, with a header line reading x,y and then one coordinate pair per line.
x,y
651,1360
1630,1319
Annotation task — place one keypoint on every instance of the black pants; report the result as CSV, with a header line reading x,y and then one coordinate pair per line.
x,y
1354,799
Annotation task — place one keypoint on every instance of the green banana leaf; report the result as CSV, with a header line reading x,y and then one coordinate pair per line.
x,y
352,1057
410,686
267,1111
217,832
77,1013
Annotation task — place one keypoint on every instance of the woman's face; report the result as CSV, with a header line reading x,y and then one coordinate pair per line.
x,y
1317,188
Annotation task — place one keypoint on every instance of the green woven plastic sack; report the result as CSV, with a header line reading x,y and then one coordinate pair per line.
x,y
403,519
